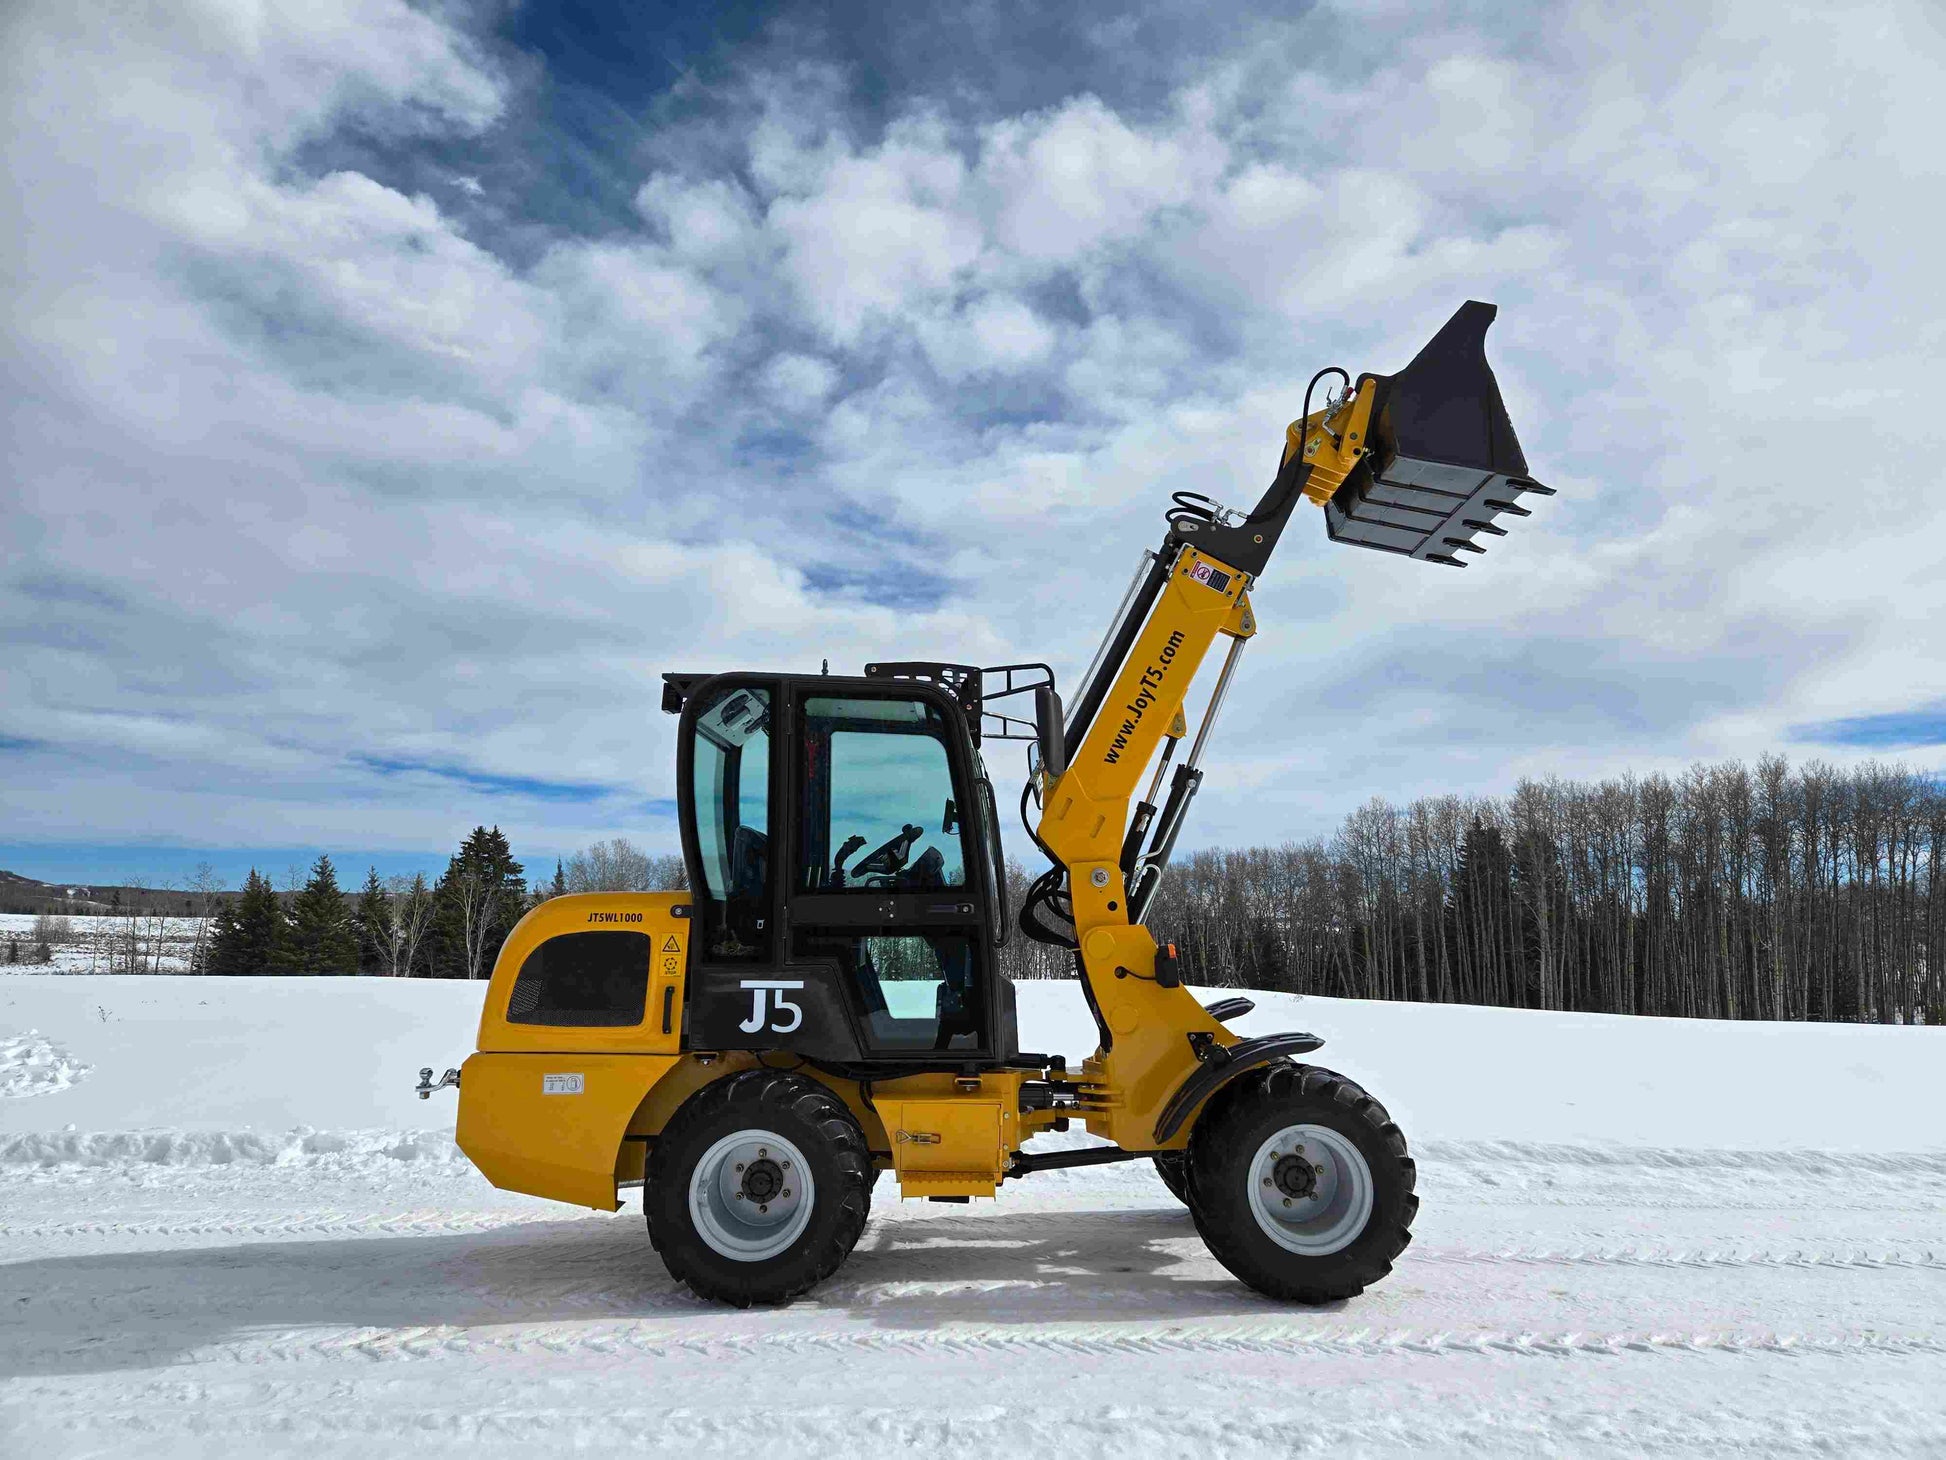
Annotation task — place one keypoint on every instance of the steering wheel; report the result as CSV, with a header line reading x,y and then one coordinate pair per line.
x,y
886,862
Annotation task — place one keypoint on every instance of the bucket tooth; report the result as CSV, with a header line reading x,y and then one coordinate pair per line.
x,y
1534,487
1486,527
1463,545
1449,561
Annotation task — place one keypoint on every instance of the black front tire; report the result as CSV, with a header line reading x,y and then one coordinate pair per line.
x,y
803,1113
1225,1163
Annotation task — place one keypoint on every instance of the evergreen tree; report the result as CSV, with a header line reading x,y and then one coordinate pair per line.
x,y
250,935
374,925
219,948
560,888
480,896
322,938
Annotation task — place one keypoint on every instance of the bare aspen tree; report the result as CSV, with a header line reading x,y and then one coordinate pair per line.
x,y
412,911
1726,893
205,890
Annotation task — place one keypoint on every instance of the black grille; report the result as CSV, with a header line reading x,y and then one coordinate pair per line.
x,y
584,980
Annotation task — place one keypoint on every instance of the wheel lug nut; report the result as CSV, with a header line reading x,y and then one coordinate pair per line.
x,y
1267,1181
1287,1201
763,1208
761,1151
1318,1169
787,1191
1300,1150
739,1165
739,1196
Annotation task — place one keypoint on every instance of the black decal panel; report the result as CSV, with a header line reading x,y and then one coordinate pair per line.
x,y
801,1009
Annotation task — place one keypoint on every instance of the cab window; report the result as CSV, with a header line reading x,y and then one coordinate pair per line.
x,y
917,991
731,803
879,811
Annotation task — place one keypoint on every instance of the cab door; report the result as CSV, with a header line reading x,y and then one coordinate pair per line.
x,y
886,878
740,993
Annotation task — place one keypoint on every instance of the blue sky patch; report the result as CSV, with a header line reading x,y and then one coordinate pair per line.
x,y
1895,730
529,787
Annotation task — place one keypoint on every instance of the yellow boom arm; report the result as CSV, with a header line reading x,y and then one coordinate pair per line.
x,y
1419,463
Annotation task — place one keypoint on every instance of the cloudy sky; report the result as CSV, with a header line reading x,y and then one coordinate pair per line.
x,y
392,393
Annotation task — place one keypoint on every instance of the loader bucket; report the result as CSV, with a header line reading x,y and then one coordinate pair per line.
x,y
1444,464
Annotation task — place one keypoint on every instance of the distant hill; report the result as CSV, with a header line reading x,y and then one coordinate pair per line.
x,y
20,894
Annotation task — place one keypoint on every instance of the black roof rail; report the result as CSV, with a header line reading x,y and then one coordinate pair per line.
x,y
966,683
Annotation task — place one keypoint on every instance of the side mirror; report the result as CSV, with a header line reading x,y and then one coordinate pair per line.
x,y
1050,731
950,823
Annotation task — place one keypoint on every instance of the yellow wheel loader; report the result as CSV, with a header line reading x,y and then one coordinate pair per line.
x,y
824,1004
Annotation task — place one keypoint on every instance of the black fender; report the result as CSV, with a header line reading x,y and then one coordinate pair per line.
x,y
1222,1064
1224,1010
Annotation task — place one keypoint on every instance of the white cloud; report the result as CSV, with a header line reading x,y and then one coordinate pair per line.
x,y
800,382
877,231
632,319
707,222
370,259
1068,182
997,332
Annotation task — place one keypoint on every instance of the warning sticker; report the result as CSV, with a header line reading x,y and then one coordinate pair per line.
x,y
672,946
670,966
562,1084
1215,577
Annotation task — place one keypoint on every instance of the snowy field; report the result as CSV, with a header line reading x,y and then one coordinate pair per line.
x,y
228,1227
87,943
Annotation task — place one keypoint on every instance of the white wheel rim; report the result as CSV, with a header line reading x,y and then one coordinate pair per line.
x,y
751,1195
1310,1190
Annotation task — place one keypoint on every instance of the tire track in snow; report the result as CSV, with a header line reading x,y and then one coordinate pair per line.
x,y
1678,1257
420,1342
537,1422
1795,1163
433,1223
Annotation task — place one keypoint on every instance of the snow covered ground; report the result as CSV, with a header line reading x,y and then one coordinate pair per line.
x,y
83,943
227,1227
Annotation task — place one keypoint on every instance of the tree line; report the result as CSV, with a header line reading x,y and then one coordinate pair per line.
x,y
404,927
1726,892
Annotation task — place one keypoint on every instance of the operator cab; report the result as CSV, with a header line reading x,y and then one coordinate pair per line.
x,y
844,861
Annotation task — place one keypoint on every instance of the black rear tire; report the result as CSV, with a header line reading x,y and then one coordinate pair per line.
x,y
768,1108
1173,1168
1249,1139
